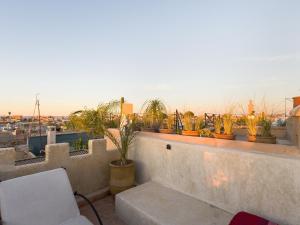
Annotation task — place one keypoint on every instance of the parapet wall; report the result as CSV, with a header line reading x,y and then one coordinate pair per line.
x,y
232,175
88,173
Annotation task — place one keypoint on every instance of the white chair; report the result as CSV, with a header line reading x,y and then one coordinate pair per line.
x,y
44,198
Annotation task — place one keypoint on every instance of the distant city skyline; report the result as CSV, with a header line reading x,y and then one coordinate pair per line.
x,y
194,55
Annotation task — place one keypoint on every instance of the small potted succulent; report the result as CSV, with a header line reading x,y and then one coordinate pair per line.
x,y
266,136
251,122
153,115
227,125
189,124
167,126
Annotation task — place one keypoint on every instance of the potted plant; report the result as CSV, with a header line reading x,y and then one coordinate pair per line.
x,y
153,115
122,171
189,124
228,128
218,125
266,136
96,123
205,132
251,122
167,125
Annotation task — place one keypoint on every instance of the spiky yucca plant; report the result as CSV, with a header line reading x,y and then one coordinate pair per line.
x,y
199,124
218,125
228,124
188,121
251,122
266,128
170,121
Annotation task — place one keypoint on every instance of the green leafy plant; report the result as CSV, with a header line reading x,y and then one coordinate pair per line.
x,y
218,125
153,113
266,127
199,123
79,145
96,122
228,124
168,122
188,121
251,122
205,132
241,121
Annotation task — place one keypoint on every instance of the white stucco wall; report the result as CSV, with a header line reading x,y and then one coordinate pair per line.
x,y
88,173
221,173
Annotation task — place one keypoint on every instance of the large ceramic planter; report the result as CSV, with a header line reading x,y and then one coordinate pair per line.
x,y
144,129
251,138
166,131
194,133
121,177
225,136
266,140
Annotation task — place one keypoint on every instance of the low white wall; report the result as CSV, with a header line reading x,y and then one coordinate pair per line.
x,y
88,173
222,174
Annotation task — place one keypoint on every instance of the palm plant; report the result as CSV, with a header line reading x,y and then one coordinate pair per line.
x,y
228,124
153,113
96,121
125,138
218,125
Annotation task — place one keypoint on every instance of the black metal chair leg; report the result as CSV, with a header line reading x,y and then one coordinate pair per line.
x,y
91,205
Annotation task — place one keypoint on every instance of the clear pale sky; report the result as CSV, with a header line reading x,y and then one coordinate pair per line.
x,y
198,55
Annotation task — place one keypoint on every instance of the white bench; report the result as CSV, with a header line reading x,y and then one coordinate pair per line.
x,y
154,204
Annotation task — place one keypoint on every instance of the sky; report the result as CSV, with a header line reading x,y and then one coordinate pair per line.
x,y
204,56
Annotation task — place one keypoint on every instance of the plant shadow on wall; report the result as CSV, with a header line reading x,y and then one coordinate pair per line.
x,y
97,123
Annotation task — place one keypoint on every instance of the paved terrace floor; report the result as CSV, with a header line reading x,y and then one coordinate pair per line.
x,y
106,210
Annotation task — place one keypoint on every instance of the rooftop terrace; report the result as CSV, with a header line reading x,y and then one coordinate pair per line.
x,y
232,176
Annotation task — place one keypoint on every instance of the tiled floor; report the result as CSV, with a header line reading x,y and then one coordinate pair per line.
x,y
106,210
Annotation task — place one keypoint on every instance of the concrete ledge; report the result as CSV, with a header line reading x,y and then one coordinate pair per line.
x,y
154,204
242,146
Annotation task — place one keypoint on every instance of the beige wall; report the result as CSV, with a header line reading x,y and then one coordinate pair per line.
x,y
88,173
221,173
293,130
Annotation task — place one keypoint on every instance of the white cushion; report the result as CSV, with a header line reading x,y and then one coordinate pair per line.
x,y
44,198
79,220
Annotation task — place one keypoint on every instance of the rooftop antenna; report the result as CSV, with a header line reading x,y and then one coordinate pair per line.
x,y
37,107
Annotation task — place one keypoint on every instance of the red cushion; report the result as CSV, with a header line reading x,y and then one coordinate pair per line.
x,y
243,218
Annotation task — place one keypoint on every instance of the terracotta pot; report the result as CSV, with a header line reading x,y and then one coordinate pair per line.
x,y
166,131
266,140
225,136
251,138
121,177
144,129
194,133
